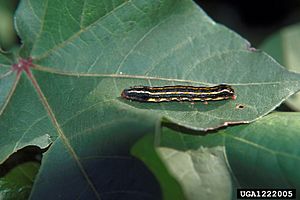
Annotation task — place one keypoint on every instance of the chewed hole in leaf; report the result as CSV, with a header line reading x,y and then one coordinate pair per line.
x,y
240,106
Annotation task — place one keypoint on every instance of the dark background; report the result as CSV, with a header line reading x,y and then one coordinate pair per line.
x,y
253,19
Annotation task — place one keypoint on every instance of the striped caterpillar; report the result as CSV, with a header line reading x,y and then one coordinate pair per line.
x,y
179,93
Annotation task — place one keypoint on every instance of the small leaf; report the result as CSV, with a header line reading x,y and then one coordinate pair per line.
x,y
18,182
201,172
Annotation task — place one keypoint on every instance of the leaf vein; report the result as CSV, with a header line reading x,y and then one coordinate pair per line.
x,y
243,140
76,34
50,70
11,92
62,135
139,42
26,131
33,12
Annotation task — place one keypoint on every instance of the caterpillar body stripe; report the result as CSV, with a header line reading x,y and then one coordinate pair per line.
x,y
178,93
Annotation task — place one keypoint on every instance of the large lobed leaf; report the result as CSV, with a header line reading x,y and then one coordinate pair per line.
x,y
86,52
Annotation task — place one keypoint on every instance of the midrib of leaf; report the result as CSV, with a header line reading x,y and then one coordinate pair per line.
x,y
37,35
77,34
34,13
58,72
11,92
82,15
63,137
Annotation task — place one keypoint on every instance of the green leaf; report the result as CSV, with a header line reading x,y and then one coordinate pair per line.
x,y
284,46
18,182
201,172
5,59
263,154
85,53
95,136
24,120
7,79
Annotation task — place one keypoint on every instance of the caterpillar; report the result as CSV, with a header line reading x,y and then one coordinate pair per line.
x,y
178,93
